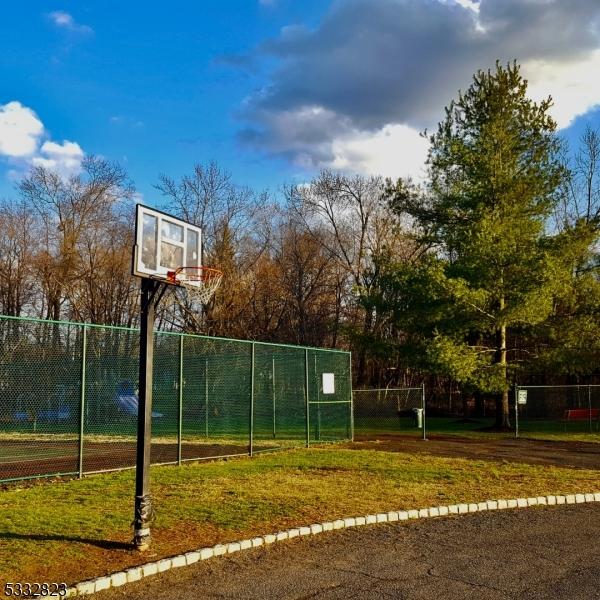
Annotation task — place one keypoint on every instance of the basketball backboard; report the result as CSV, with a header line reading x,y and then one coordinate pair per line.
x,y
164,243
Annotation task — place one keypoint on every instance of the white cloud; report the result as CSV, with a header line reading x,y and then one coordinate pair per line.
x,y
66,21
352,92
573,85
24,142
62,19
398,150
65,159
20,130
470,4
393,151
313,137
128,121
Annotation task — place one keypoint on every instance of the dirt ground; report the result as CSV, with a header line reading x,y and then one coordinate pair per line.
x,y
577,455
62,457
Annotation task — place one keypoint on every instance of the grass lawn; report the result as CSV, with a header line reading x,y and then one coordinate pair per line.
x,y
73,530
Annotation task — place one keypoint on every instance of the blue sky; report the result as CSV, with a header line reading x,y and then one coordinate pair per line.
x,y
272,90
143,83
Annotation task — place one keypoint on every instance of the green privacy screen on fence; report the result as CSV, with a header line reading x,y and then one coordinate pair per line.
x,y
68,397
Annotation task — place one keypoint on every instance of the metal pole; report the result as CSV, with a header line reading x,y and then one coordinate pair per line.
x,y
274,404
351,398
82,400
424,411
206,396
318,429
590,406
516,411
306,395
143,503
180,414
251,424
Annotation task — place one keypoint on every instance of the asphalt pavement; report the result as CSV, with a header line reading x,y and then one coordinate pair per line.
x,y
535,553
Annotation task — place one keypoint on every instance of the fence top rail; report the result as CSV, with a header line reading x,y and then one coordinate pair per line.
x,y
256,342
571,385
76,323
161,332
401,389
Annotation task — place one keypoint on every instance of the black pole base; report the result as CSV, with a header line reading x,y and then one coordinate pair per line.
x,y
141,524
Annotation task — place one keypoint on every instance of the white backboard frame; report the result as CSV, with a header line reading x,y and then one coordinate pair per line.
x,y
157,233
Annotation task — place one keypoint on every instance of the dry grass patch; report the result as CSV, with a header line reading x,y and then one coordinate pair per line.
x,y
79,529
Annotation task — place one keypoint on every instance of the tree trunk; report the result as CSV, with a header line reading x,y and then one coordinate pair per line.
x,y
361,369
465,405
479,404
502,408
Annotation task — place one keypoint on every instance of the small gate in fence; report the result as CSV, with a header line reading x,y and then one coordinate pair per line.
x,y
390,410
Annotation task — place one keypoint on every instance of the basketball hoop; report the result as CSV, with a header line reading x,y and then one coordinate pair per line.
x,y
200,282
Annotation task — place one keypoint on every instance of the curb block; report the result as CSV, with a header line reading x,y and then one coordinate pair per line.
x,y
149,569
163,565
140,572
118,579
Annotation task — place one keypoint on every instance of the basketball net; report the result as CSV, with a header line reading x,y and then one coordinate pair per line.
x,y
199,282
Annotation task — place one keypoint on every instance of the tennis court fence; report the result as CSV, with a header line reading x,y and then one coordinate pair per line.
x,y
68,397
535,411
557,410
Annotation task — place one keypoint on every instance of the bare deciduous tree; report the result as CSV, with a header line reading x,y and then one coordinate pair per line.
x,y
18,246
581,192
351,219
236,231
68,210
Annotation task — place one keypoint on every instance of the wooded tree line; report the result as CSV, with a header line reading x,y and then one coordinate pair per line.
x,y
484,274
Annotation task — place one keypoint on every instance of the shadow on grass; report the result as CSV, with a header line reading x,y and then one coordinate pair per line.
x,y
104,544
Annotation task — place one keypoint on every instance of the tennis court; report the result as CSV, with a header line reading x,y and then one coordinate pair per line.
x,y
69,398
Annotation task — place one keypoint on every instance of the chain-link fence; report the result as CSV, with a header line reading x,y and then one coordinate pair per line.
x,y
69,402
557,410
389,411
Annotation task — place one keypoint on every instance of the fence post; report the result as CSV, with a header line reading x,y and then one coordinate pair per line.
x,y
424,411
516,411
206,396
180,414
351,398
274,404
82,400
590,406
306,395
318,428
251,428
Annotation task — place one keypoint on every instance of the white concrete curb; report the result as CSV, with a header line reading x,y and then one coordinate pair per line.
x,y
182,560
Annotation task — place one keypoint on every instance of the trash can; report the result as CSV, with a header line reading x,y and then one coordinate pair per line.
x,y
418,417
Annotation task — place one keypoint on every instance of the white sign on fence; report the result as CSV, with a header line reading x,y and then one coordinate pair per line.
x,y
329,383
522,397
